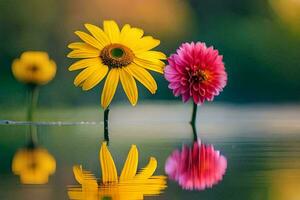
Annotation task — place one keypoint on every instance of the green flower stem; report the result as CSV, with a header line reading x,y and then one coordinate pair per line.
x,y
33,95
106,112
193,121
33,140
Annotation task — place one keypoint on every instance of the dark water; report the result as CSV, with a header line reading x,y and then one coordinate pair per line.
x,y
261,144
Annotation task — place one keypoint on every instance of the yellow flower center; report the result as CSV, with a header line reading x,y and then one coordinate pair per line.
x,y
33,165
33,68
116,55
199,76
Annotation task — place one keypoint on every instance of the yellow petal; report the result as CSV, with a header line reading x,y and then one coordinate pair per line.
x,y
77,170
95,78
87,180
148,171
34,55
84,53
130,36
112,30
131,164
89,39
151,55
129,86
98,33
143,76
154,65
80,45
109,171
84,63
145,44
82,76
110,87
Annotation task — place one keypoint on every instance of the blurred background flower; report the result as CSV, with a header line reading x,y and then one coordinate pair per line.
x,y
284,184
34,165
289,13
34,67
197,167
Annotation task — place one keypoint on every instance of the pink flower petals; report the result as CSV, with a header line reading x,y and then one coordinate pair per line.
x,y
196,72
197,167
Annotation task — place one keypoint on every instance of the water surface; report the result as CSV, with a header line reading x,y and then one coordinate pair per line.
x,y
261,144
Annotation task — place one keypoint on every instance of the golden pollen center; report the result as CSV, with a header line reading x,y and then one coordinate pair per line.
x,y
116,55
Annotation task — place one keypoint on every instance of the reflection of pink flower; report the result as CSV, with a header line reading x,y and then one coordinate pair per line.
x,y
196,72
196,168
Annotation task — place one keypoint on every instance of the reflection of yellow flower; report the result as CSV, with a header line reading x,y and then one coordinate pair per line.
x,y
34,67
121,55
130,184
284,184
34,165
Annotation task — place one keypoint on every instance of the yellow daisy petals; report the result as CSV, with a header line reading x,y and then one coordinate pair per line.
x,y
77,170
143,76
110,87
109,171
84,63
131,164
129,86
95,78
152,55
130,36
121,55
148,171
83,75
98,33
145,44
84,53
112,30
89,39
79,45
154,65
129,186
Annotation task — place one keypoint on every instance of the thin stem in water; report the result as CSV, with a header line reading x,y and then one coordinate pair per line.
x,y
33,140
106,136
193,121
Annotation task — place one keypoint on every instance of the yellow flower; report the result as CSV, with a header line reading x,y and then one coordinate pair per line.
x,y
130,184
34,165
284,184
121,55
34,67
289,12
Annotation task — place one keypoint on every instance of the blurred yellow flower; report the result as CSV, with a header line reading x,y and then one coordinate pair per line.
x,y
33,165
130,184
34,67
288,11
121,55
284,184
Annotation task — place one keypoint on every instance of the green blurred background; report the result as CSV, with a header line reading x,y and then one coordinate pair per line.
x,y
260,41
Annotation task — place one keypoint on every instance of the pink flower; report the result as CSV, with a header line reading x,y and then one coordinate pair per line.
x,y
196,168
197,72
